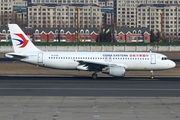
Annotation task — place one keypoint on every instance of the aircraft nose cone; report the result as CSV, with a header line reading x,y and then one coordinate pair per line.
x,y
173,64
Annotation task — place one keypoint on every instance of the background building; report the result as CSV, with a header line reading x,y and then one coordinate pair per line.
x,y
125,11
164,18
158,15
132,35
13,11
104,3
75,15
65,2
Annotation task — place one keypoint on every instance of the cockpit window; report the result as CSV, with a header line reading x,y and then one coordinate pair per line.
x,y
164,58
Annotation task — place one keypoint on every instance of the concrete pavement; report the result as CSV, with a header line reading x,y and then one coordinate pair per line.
x,y
89,108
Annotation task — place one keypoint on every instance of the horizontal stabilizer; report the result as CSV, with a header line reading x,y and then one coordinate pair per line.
x,y
15,56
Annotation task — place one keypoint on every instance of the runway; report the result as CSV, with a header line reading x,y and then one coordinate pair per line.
x,y
86,86
82,98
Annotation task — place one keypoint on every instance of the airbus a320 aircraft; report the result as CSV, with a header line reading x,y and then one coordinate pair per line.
x,y
112,63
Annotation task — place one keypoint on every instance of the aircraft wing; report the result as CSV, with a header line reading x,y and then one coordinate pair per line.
x,y
94,65
88,63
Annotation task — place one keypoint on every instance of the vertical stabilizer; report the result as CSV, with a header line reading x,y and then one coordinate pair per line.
x,y
21,43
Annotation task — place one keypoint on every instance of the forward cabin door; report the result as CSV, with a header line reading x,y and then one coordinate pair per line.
x,y
153,59
40,57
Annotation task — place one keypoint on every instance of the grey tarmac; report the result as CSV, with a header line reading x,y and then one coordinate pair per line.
x,y
85,86
89,108
47,98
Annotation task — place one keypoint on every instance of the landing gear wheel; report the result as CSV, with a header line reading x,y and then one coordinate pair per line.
x,y
152,77
152,74
94,76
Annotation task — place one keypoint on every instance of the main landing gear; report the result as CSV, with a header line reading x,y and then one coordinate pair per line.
x,y
152,74
94,75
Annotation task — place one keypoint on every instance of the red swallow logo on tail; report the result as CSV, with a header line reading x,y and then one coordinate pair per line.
x,y
23,42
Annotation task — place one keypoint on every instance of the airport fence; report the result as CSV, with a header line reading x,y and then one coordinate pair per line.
x,y
99,48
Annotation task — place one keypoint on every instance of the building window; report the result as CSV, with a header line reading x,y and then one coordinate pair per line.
x,y
51,38
87,31
145,38
82,31
4,31
133,37
68,38
120,38
56,31
134,32
42,38
93,38
37,31
62,31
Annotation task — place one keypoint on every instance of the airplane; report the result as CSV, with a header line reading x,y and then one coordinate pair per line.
x,y
112,63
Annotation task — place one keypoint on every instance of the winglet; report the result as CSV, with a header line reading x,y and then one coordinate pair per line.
x,y
21,43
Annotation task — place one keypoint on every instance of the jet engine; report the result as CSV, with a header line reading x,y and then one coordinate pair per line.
x,y
115,71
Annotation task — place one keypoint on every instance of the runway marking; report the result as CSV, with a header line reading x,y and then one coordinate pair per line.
x,y
111,89
71,76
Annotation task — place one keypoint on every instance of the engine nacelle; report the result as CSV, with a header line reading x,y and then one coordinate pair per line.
x,y
115,71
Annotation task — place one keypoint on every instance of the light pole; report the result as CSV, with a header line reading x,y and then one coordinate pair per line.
x,y
58,35
78,22
169,34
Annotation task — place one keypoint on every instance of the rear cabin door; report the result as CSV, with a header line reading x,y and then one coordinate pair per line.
x,y
153,59
40,57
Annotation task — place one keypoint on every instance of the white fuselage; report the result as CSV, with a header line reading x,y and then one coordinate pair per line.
x,y
112,63
128,60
